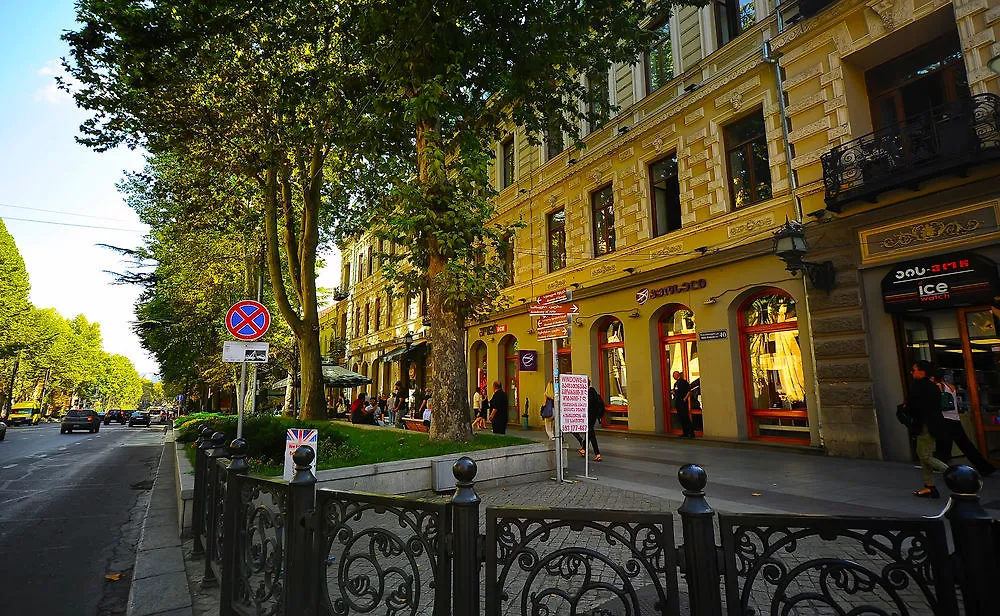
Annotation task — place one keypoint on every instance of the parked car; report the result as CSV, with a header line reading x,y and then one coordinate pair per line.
x,y
80,419
139,418
116,415
3,430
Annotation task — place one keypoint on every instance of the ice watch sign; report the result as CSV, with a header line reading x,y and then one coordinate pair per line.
x,y
956,279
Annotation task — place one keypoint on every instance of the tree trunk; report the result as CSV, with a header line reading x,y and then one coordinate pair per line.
x,y
449,386
311,389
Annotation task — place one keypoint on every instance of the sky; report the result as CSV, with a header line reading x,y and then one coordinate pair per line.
x,y
43,168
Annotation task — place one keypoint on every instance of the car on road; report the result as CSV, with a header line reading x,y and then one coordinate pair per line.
x,y
116,415
24,413
80,419
139,418
3,430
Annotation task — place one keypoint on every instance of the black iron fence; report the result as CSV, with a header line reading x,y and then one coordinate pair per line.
x,y
284,548
945,139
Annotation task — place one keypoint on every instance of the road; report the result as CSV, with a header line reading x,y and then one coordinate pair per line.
x,y
70,513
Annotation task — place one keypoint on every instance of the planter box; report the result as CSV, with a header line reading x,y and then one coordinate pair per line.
x,y
496,468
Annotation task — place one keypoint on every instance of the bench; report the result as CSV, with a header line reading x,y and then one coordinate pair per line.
x,y
417,425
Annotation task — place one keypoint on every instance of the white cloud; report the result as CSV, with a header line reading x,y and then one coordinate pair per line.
x,y
51,93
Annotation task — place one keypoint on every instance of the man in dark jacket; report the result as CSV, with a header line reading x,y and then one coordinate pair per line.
x,y
923,404
498,409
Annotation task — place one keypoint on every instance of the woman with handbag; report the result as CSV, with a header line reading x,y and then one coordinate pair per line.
x,y
547,412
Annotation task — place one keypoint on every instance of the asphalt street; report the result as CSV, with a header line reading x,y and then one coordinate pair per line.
x,y
70,513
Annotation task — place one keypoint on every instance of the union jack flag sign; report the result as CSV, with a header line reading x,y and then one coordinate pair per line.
x,y
295,438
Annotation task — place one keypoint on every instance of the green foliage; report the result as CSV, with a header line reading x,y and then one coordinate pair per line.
x,y
340,444
14,287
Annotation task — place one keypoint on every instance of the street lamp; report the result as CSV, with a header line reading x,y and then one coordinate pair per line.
x,y
408,342
790,246
994,64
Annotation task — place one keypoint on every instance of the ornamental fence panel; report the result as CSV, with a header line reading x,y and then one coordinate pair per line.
x,y
281,548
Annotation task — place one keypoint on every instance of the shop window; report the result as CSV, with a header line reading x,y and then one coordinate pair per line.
x,y
602,202
773,381
665,195
614,381
925,79
732,17
510,378
554,143
507,166
660,59
598,99
679,352
480,378
749,168
557,240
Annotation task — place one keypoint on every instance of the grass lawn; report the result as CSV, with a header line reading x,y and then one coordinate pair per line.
x,y
371,445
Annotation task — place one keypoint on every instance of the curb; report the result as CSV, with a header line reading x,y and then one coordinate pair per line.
x,y
159,581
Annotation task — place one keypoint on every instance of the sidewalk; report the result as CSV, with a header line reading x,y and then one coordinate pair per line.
x,y
763,479
159,584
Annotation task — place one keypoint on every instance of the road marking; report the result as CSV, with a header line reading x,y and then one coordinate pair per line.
x,y
10,466
62,449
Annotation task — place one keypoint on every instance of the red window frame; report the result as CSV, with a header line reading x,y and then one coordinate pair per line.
x,y
509,353
619,411
666,369
752,413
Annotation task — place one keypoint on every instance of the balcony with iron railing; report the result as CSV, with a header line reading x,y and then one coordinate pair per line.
x,y
340,294
947,139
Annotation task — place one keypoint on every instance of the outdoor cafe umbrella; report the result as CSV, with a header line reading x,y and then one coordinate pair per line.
x,y
334,376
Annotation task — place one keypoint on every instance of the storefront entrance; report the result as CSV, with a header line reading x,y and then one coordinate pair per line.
x,y
679,352
944,313
965,345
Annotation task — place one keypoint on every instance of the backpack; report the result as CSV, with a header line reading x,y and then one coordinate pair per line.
x,y
947,401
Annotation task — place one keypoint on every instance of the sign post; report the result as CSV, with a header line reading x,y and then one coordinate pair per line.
x,y
246,321
573,400
553,325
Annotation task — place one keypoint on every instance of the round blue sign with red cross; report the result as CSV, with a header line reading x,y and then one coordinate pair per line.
x,y
248,320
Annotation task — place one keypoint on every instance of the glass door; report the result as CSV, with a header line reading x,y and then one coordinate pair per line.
x,y
982,359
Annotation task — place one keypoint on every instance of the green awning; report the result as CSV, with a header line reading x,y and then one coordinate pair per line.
x,y
333,376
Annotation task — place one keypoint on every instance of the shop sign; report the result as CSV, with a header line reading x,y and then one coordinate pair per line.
x,y
490,330
527,361
966,224
713,334
553,309
573,402
956,279
645,294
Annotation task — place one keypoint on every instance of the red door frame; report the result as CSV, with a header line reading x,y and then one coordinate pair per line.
x,y
601,346
665,368
751,412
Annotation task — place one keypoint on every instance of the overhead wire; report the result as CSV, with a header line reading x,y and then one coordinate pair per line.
x,y
64,212
70,224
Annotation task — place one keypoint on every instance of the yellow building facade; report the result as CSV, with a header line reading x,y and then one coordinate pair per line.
x,y
662,229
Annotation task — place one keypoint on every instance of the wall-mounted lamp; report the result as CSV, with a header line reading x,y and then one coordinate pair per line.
x,y
790,246
523,300
531,330
634,314
629,270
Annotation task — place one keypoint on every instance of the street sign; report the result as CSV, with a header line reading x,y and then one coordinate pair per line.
x,y
248,320
553,333
553,309
552,321
555,297
573,402
713,334
249,352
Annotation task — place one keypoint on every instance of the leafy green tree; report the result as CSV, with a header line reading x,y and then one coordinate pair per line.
x,y
119,384
456,76
249,89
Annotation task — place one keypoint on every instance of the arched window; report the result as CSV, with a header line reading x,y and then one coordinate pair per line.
x,y
614,381
510,375
679,352
773,382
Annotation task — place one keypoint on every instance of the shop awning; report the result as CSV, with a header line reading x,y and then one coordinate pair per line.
x,y
416,350
334,376
394,354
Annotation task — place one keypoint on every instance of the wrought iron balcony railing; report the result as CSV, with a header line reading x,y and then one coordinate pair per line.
x,y
340,294
947,139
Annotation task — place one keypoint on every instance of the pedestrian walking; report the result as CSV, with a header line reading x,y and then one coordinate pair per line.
x,y
923,406
595,413
480,409
396,410
681,396
548,411
954,433
498,409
